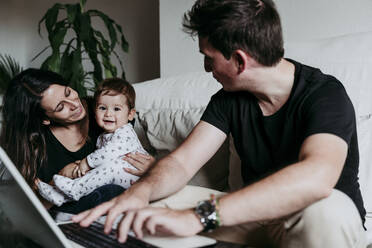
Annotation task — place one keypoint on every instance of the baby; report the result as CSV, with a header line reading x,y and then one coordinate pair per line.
x,y
114,109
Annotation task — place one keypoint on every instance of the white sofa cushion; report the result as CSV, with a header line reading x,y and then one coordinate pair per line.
x,y
348,58
167,111
169,108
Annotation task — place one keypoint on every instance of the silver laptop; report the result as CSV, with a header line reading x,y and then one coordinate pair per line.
x,y
26,215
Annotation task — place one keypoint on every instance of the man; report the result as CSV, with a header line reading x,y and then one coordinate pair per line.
x,y
294,130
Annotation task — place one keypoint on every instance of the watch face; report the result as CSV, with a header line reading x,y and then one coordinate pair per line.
x,y
205,208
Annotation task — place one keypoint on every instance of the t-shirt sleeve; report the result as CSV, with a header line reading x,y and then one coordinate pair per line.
x,y
329,110
217,112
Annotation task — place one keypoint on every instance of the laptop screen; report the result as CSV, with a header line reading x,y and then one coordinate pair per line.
x,y
23,212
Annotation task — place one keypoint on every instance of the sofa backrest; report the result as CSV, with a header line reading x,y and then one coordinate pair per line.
x,y
168,109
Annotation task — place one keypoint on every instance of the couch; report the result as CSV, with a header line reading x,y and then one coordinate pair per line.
x,y
168,109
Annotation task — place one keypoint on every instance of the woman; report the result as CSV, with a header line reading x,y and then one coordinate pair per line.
x,y
47,126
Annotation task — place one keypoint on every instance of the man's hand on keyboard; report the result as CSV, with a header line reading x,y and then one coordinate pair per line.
x,y
165,221
121,204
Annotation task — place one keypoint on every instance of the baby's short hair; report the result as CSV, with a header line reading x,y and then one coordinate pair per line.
x,y
116,86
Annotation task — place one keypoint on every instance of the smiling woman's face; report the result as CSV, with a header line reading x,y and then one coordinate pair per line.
x,y
62,105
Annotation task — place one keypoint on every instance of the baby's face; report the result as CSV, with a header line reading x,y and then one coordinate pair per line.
x,y
113,112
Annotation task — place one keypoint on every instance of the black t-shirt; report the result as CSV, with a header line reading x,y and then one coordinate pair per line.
x,y
58,156
318,103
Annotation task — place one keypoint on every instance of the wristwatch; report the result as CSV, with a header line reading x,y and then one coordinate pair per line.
x,y
207,211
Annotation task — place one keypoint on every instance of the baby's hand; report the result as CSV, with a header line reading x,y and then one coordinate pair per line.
x,y
83,168
69,170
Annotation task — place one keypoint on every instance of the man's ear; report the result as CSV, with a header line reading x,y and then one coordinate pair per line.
x,y
241,59
46,122
131,114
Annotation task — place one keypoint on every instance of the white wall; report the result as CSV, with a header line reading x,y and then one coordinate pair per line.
x,y
178,52
301,19
139,20
142,20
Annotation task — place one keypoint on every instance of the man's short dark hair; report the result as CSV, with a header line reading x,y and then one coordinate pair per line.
x,y
250,25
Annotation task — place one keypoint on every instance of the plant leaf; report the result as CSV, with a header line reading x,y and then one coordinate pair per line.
x,y
91,45
9,68
105,52
66,62
72,12
52,63
50,17
85,27
104,42
82,4
124,42
78,76
98,46
42,51
109,23
56,37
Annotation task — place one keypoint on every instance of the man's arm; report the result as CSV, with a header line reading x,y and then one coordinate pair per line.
x,y
321,160
174,171
291,189
166,177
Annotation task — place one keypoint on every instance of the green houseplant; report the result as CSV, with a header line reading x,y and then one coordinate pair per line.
x,y
85,44
9,68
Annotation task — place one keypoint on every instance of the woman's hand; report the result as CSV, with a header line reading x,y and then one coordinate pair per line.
x,y
140,161
70,170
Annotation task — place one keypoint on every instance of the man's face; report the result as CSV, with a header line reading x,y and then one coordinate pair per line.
x,y
223,70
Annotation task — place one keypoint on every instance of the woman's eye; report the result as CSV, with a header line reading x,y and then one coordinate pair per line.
x,y
60,107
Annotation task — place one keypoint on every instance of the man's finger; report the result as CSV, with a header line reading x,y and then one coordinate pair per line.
x,y
124,226
113,213
139,221
150,225
95,213
77,218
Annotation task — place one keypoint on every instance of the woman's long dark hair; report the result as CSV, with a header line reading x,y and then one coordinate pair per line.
x,y
23,134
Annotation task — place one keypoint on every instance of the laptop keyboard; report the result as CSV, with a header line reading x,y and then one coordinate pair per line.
x,y
94,237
